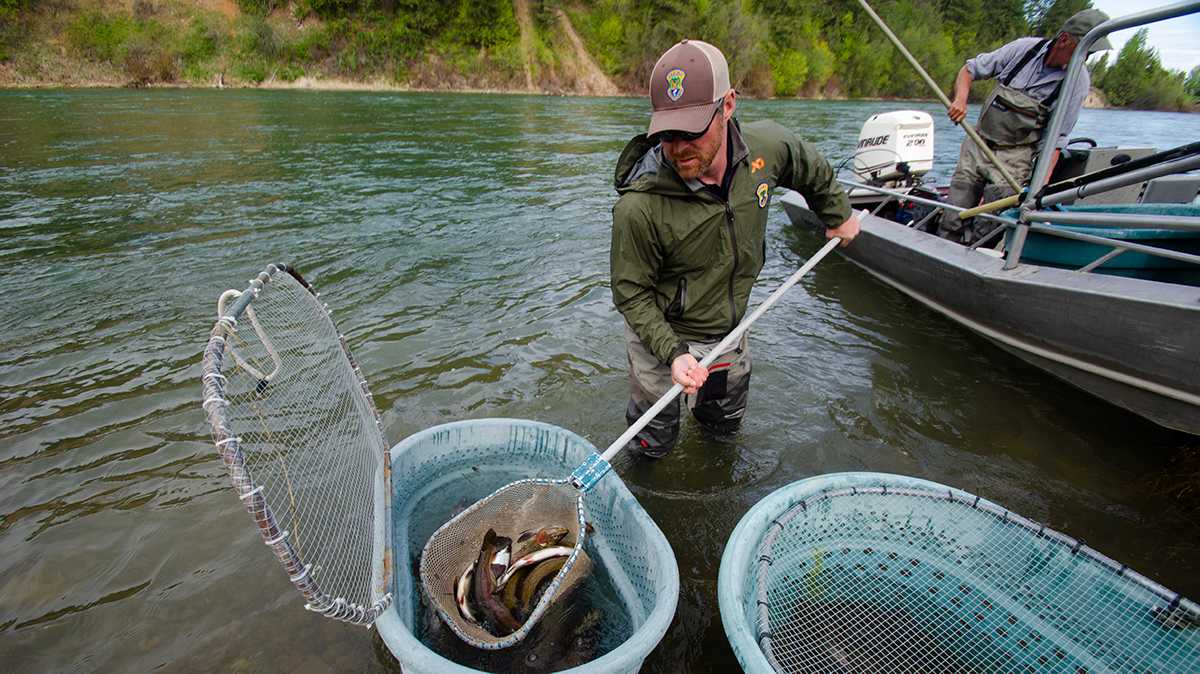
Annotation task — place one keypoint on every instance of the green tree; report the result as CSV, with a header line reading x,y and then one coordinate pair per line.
x,y
1129,76
1138,80
1046,17
1191,85
486,23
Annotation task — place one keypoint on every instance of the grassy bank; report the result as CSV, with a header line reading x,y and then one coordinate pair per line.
x,y
209,43
819,49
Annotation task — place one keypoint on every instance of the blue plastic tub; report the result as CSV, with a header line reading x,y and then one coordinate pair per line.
x,y
876,572
470,459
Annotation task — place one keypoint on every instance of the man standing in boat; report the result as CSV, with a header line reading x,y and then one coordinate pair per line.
x,y
689,238
1029,73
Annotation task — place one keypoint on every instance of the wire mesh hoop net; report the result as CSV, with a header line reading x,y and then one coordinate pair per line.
x,y
520,506
294,424
872,572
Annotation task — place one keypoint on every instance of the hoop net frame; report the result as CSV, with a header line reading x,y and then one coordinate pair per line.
x,y
510,510
881,578
294,424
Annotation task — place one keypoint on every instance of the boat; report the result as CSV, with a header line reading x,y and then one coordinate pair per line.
x,y
1105,296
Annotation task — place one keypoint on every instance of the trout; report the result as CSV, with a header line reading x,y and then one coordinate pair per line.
x,y
533,558
495,612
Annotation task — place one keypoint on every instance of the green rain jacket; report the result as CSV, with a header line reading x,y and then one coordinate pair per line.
x,y
682,260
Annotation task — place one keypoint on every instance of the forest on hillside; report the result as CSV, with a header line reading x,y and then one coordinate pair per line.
x,y
776,48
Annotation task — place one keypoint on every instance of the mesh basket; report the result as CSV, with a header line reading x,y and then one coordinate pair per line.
x,y
473,458
867,572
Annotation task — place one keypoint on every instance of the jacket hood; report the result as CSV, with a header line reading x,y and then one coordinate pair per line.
x,y
643,168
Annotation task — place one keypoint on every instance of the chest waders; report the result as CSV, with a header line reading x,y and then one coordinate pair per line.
x,y
1011,118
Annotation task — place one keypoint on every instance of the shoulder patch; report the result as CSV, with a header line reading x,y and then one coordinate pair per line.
x,y
764,194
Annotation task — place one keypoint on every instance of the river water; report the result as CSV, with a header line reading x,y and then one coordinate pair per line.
x,y
461,242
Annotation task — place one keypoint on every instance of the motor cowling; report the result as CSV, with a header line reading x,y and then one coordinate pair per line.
x,y
894,146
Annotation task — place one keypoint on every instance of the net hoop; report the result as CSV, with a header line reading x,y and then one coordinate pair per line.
x,y
853,571
229,446
457,541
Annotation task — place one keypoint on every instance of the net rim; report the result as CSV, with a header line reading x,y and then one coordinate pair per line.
x,y
740,572
453,621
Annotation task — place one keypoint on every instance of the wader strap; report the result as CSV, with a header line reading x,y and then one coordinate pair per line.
x,y
1049,100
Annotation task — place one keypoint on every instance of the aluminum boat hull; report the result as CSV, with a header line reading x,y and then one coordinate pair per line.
x,y
1131,342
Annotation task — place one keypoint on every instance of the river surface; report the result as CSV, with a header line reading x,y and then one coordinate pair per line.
x,y
461,242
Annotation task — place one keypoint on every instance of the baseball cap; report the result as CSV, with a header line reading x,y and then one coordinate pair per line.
x,y
684,84
1083,22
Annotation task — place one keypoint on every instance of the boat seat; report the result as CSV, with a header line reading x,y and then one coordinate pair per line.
x,y
1176,189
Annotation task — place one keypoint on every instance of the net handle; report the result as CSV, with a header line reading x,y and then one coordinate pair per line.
x,y
720,349
262,336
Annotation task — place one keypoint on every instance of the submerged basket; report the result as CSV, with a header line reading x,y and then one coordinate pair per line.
x,y
870,572
472,458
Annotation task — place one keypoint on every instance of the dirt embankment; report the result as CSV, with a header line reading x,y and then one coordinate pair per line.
x,y
553,60
575,71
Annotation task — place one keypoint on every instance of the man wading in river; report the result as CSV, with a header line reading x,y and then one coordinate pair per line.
x,y
689,238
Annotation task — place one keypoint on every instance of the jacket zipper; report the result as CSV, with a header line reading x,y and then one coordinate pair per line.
x,y
732,272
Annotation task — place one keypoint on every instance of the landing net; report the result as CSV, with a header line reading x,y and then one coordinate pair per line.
x,y
883,579
294,424
516,507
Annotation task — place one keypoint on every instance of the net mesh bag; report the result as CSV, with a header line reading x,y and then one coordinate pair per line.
x,y
896,579
518,507
294,424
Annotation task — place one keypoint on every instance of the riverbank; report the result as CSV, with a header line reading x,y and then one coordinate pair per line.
x,y
217,44
212,43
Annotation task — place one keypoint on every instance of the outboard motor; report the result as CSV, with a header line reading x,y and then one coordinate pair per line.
x,y
894,147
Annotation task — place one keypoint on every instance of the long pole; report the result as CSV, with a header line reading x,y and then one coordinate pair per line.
x,y
987,152
719,350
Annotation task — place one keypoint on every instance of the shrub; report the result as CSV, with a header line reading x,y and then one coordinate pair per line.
x,y
146,65
98,37
329,9
9,9
254,71
202,41
261,39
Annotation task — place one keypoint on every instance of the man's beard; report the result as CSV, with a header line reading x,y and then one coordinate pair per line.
x,y
706,155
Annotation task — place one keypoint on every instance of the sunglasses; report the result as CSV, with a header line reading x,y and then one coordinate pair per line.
x,y
670,136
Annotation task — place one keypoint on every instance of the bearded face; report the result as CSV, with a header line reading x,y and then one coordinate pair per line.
x,y
693,158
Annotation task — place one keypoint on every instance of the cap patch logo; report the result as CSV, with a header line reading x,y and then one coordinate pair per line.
x,y
764,194
675,84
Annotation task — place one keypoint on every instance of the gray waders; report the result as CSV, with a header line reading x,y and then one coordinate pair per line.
x,y
719,404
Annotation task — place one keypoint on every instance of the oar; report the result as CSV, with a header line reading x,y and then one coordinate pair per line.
x,y
987,152
992,206
1079,181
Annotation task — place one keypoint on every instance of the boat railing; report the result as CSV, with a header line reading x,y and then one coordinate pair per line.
x,y
1031,220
